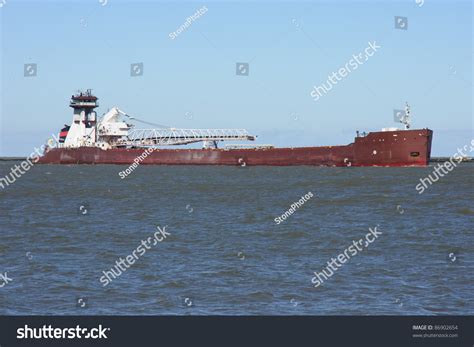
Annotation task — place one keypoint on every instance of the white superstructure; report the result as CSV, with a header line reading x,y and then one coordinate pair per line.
x,y
112,131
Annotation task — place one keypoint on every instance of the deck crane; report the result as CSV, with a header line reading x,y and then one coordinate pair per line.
x,y
112,130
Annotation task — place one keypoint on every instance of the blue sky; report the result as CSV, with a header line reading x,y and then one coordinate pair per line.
x,y
290,47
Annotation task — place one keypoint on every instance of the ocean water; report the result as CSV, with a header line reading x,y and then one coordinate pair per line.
x,y
62,226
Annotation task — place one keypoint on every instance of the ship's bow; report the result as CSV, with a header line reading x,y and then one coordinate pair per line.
x,y
394,148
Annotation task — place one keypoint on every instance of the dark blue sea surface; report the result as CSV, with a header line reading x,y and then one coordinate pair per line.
x,y
62,226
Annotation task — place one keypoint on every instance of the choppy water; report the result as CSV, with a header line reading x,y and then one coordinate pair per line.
x,y
225,254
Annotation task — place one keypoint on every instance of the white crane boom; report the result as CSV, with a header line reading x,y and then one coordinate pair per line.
x,y
173,136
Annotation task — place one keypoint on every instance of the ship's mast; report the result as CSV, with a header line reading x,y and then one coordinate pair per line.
x,y
406,119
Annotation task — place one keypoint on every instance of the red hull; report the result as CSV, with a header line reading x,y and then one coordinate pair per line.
x,y
391,148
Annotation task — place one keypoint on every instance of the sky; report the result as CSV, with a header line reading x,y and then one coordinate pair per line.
x,y
191,82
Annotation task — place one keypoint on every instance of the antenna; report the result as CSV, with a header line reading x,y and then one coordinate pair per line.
x,y
403,116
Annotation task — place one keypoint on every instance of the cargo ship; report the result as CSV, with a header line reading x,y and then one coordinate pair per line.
x,y
114,139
